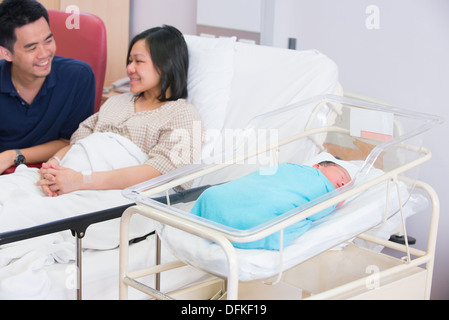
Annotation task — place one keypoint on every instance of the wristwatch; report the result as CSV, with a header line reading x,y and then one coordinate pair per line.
x,y
20,158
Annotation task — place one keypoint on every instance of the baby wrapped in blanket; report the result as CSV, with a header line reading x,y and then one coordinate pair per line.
x,y
256,198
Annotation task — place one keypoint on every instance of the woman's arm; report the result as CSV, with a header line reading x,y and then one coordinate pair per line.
x,y
60,180
175,148
86,128
120,178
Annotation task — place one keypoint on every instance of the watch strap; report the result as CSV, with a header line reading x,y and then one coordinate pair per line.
x,y
20,158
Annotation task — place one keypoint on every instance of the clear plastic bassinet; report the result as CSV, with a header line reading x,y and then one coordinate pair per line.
x,y
381,146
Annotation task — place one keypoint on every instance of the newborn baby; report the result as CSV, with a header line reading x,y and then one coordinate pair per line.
x,y
256,198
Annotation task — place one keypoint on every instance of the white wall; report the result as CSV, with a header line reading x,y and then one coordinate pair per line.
x,y
231,14
250,15
404,63
146,14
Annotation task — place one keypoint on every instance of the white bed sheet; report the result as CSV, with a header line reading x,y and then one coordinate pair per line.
x,y
23,265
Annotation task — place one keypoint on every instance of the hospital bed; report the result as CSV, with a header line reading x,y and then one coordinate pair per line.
x,y
232,84
327,261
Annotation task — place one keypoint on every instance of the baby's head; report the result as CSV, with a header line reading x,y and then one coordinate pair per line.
x,y
336,174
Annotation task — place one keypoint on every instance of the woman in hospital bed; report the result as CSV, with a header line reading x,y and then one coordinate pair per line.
x,y
134,137
258,197
152,116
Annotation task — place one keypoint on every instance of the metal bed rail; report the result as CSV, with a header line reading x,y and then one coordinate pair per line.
x,y
78,226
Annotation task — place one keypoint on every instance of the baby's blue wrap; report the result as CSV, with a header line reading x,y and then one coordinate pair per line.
x,y
256,198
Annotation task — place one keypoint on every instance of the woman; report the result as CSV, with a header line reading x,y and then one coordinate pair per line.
x,y
151,116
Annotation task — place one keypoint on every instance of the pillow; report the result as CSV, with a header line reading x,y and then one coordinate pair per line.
x,y
210,77
268,78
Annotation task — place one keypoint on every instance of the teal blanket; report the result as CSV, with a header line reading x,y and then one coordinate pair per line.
x,y
256,198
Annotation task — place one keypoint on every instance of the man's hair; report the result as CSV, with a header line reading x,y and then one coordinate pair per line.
x,y
15,14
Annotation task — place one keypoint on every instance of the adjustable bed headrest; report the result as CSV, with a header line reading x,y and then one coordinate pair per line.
x,y
231,82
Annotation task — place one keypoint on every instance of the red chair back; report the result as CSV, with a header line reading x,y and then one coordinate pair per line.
x,y
82,37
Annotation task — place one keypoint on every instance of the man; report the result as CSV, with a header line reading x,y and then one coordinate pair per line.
x,y
43,98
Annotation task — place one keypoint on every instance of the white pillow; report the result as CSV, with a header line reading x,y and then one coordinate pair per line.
x,y
268,78
210,77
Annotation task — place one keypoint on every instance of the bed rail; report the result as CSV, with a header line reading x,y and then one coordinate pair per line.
x,y
78,226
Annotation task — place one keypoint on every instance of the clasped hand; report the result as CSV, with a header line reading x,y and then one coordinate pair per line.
x,y
56,180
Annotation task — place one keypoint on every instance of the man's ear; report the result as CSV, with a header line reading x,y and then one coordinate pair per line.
x,y
316,166
5,54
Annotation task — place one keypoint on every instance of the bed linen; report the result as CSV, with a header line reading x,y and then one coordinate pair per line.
x,y
24,205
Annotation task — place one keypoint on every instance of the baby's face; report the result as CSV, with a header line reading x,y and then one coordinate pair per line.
x,y
337,175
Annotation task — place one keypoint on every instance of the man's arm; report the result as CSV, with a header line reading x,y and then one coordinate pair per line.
x,y
37,154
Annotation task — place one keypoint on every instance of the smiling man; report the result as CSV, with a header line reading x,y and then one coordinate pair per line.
x,y
43,98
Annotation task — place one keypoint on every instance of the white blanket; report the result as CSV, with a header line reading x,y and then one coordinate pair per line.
x,y
24,205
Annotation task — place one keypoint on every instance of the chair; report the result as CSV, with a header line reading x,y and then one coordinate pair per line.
x,y
86,43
